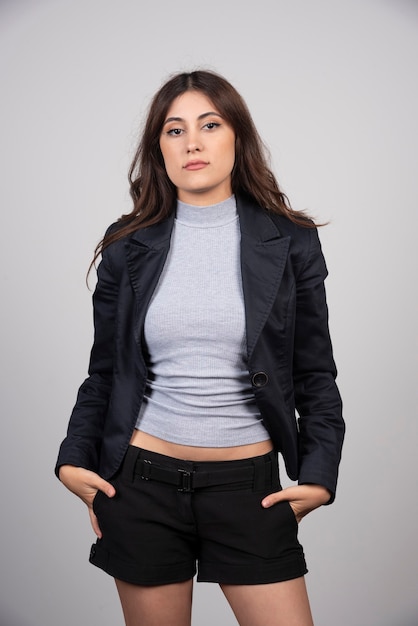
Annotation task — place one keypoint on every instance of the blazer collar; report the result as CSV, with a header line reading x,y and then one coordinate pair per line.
x,y
255,222
155,236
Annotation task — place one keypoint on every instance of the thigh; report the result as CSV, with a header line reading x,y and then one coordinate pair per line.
x,y
170,605
277,604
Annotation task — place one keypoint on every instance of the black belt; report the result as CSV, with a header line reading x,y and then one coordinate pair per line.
x,y
188,481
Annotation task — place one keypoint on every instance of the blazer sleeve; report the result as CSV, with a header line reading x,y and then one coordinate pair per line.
x,y
81,447
317,399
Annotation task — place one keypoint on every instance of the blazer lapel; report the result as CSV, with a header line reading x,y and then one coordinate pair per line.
x,y
146,252
263,257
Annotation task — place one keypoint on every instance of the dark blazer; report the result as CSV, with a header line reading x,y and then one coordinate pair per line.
x,y
289,351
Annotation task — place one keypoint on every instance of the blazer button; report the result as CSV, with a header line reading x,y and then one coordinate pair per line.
x,y
259,379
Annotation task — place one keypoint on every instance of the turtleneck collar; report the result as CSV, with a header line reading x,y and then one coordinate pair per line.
x,y
207,216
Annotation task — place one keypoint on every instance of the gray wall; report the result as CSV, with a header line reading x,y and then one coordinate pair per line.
x,y
332,87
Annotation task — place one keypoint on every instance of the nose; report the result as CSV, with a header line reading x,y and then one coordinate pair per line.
x,y
193,144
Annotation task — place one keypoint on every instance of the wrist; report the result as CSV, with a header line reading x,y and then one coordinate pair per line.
x,y
322,494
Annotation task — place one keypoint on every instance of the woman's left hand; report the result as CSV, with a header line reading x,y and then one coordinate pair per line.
x,y
302,498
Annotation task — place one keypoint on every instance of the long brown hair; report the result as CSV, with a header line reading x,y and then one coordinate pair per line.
x,y
154,195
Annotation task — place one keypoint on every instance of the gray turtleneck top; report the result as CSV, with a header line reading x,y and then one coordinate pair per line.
x,y
199,392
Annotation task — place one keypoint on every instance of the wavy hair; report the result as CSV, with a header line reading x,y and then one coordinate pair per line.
x,y
154,195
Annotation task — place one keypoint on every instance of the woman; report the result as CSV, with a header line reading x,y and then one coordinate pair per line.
x,y
210,329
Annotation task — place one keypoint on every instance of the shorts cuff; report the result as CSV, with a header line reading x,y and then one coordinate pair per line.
x,y
137,574
253,574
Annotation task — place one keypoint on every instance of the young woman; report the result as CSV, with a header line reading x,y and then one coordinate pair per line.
x,y
210,333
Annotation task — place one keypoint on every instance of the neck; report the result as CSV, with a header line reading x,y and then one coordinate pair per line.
x,y
205,198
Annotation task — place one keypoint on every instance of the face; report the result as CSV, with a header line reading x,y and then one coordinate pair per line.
x,y
198,148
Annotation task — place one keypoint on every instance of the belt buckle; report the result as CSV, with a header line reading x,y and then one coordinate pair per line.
x,y
185,481
146,469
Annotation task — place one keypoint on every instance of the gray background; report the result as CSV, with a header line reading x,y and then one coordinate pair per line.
x,y
333,90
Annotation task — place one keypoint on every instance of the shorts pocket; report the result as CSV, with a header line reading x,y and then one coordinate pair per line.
x,y
291,513
96,500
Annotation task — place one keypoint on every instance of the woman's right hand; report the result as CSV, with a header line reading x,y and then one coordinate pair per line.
x,y
85,484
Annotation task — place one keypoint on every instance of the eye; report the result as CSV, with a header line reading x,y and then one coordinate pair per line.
x,y
175,131
211,125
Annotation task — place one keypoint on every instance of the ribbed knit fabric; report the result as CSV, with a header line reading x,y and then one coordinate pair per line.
x,y
199,392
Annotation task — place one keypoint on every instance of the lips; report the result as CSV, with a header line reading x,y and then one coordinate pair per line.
x,y
195,165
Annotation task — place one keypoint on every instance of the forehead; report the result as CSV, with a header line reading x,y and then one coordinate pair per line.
x,y
191,104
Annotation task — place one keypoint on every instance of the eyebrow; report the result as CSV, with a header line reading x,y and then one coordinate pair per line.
x,y
200,117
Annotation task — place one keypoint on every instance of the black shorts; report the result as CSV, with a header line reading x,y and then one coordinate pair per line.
x,y
169,515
